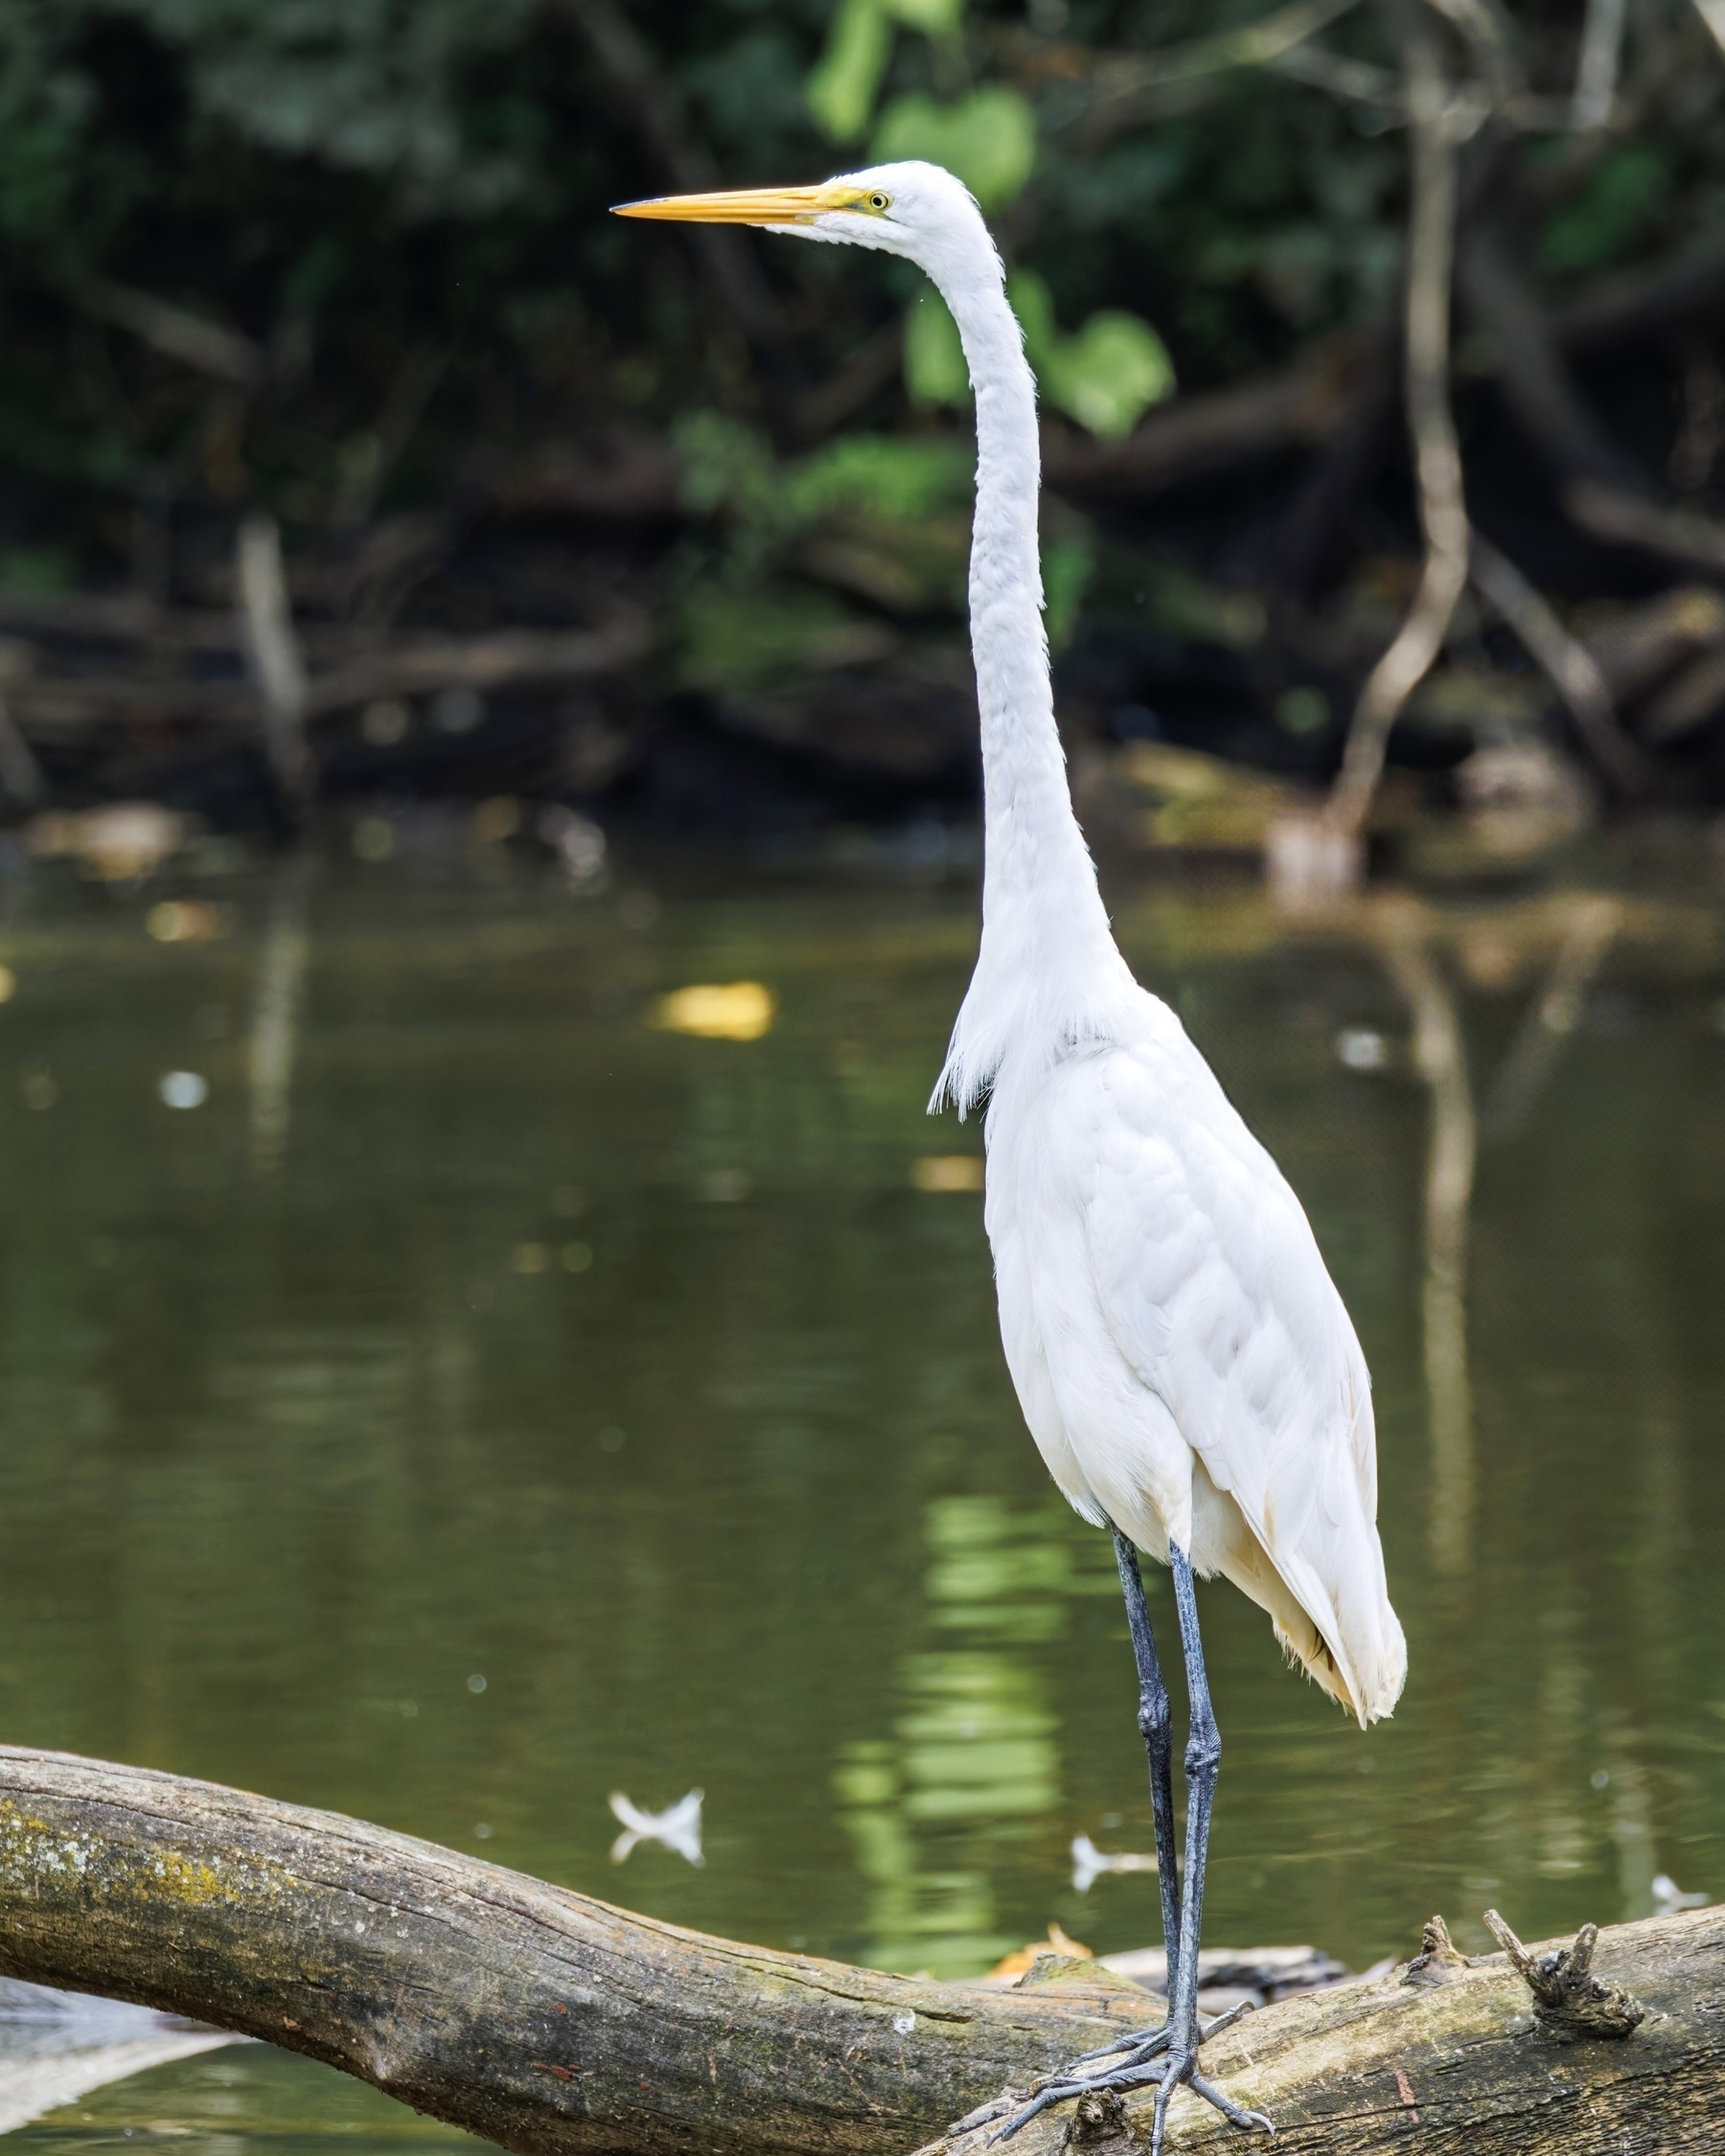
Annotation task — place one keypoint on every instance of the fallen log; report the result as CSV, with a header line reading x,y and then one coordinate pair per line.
x,y
538,2018
1465,2054
546,2021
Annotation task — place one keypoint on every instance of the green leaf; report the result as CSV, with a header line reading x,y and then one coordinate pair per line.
x,y
725,465
1107,374
1032,302
736,640
935,372
987,139
37,572
1067,566
884,475
934,18
1622,195
1104,377
840,92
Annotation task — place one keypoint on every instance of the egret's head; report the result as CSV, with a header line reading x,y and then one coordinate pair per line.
x,y
915,209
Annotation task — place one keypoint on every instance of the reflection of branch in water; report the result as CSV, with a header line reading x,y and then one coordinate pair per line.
x,y
275,1017
1551,1018
1440,1058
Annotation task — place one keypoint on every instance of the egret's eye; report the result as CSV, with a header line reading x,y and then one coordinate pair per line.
x,y
880,202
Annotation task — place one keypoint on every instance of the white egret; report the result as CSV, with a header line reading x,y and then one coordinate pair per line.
x,y
1184,1364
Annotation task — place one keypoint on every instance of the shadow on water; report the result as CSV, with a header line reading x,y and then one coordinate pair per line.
x,y
434,1392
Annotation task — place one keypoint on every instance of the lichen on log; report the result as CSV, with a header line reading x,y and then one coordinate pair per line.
x,y
543,2020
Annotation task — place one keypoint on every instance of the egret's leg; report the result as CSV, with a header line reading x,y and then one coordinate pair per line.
x,y
1166,2057
1203,1759
1155,1720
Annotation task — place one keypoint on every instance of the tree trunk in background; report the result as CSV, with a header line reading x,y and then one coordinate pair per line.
x,y
546,2021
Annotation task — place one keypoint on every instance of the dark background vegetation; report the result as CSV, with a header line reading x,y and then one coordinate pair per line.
x,y
348,263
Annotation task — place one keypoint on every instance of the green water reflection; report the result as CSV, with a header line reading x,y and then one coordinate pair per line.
x,y
472,1328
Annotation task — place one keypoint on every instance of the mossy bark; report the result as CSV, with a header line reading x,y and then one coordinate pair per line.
x,y
543,2020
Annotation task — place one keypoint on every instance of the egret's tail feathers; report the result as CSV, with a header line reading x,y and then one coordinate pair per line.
x,y
1369,1701
1326,1599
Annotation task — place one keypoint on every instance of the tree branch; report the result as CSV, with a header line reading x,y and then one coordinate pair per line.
x,y
1436,455
677,149
1567,663
1528,363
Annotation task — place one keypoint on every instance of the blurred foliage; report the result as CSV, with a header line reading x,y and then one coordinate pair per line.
x,y
1621,199
342,179
374,193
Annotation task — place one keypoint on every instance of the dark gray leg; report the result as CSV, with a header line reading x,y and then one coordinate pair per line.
x,y
1203,1759
1139,2058
1155,1720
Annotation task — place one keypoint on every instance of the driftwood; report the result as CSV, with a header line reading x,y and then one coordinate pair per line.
x,y
546,2021
66,705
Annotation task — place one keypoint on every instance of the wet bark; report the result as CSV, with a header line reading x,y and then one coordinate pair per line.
x,y
543,2020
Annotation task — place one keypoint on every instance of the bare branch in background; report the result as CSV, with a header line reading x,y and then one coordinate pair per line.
x,y
1440,1057
878,360
273,652
69,707
1436,456
1352,81
1650,296
422,665
1622,520
1702,435
1607,493
1188,437
1528,363
1687,703
174,332
1567,663
375,455
1485,34
656,113
1597,73
1129,88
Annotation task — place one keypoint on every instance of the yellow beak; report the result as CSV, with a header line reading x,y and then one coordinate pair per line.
x,y
748,205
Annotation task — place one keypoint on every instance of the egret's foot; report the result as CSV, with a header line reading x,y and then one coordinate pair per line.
x,y
1138,2064
1145,2043
1182,2070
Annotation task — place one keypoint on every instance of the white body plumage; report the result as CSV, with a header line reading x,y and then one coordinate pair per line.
x,y
1182,1356
1183,1360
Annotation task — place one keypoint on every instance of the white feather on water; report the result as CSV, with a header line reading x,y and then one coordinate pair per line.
x,y
677,1827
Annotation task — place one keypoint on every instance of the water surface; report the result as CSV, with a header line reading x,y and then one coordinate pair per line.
x,y
485,1400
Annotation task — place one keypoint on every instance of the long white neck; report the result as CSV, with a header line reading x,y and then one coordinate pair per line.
x,y
1048,967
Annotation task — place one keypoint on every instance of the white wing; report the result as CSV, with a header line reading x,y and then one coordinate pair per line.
x,y
1187,1325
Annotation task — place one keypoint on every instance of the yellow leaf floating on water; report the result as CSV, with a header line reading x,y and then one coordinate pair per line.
x,y
1016,1963
947,1170
184,921
732,1010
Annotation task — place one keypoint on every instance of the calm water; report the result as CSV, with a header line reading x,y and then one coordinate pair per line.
x,y
512,1401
